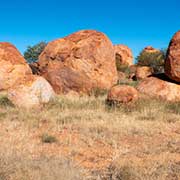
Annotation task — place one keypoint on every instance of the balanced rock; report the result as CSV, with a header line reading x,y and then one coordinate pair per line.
x,y
155,87
79,62
122,94
32,93
143,72
13,67
150,49
172,62
123,54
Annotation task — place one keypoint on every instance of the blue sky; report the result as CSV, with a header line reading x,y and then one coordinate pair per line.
x,y
135,23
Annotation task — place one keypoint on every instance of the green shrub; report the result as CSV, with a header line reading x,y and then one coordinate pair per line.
x,y
46,138
154,60
32,53
4,102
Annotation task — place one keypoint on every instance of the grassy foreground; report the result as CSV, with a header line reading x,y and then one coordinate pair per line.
x,y
82,138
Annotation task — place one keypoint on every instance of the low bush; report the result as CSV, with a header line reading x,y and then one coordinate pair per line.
x,y
46,138
4,102
154,60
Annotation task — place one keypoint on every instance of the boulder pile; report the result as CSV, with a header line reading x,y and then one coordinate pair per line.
x,y
82,62
168,87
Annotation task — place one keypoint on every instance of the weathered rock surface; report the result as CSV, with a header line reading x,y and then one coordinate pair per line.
x,y
79,62
64,79
122,94
172,62
13,67
150,49
155,87
143,72
123,54
32,93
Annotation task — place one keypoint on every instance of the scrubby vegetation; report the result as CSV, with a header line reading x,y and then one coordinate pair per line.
x,y
140,141
154,60
32,53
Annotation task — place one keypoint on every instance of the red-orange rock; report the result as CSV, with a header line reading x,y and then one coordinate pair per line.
x,y
158,88
122,94
143,72
123,54
31,93
172,62
150,49
79,62
13,67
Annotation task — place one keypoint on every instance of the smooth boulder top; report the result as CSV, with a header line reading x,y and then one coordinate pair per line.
x,y
87,57
13,67
158,88
9,52
122,94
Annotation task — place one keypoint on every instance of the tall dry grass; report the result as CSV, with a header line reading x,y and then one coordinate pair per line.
x,y
122,128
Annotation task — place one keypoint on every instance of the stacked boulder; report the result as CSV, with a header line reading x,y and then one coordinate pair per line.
x,y
166,87
150,49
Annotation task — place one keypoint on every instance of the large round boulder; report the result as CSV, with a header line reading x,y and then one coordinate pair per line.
x,y
13,67
158,88
32,93
122,94
124,55
79,62
172,62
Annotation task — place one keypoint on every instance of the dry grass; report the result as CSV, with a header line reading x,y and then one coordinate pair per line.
x,y
141,141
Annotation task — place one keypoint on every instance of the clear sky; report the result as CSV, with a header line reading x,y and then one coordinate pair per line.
x,y
136,23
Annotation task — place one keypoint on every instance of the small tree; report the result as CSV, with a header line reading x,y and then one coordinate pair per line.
x,y
32,53
153,59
